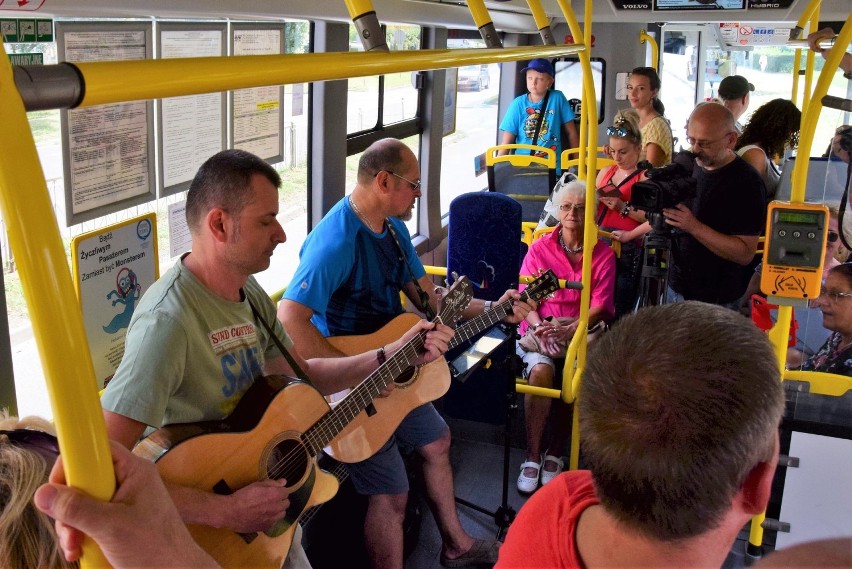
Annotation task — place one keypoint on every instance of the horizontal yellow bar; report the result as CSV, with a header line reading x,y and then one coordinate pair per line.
x,y
106,81
822,383
533,390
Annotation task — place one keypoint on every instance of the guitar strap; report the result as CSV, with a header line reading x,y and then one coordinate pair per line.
x,y
300,373
425,307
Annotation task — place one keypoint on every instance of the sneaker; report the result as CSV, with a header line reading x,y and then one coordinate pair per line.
x,y
547,475
528,484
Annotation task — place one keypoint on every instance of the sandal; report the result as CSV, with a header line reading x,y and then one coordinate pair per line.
x,y
547,475
528,484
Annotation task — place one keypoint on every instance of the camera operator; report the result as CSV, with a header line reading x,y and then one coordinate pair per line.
x,y
719,227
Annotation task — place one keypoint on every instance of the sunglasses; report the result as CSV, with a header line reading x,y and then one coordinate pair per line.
x,y
43,444
833,236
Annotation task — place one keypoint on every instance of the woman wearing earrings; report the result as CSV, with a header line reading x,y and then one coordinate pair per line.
x,y
643,85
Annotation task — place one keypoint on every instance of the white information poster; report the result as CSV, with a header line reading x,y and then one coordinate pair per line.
x,y
180,240
108,145
112,268
192,127
257,112
451,83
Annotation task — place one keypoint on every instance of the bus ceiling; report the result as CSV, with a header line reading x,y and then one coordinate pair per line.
x,y
508,16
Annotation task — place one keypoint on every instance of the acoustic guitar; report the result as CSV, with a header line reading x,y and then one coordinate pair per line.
x,y
371,429
276,431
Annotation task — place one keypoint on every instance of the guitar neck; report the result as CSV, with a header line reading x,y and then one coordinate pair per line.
x,y
479,323
333,422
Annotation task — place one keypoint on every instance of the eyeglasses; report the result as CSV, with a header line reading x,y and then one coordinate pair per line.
x,y
833,236
566,207
39,442
834,295
414,185
703,143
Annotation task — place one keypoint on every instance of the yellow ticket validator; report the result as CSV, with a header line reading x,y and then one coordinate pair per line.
x,y
795,250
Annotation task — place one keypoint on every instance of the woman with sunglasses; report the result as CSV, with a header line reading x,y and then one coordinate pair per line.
x,y
614,188
643,85
553,324
835,302
41,517
773,127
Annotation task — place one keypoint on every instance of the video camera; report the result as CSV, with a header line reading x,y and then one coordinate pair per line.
x,y
665,187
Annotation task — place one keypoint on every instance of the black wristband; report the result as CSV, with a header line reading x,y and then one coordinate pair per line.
x,y
380,355
625,211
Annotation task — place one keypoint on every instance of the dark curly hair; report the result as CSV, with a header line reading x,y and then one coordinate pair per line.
x,y
772,127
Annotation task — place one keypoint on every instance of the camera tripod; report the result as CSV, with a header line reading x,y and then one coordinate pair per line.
x,y
653,285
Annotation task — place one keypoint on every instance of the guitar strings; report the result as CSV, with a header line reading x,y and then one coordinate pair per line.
x,y
289,464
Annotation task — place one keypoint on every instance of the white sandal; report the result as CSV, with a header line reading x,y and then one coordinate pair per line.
x,y
546,475
528,484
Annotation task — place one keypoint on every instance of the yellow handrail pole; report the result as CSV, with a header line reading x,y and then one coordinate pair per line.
x,y
779,332
542,22
803,19
106,81
52,305
367,24
809,70
590,114
655,48
483,22
797,65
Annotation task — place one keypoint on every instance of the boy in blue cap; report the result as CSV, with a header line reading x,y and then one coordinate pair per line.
x,y
519,123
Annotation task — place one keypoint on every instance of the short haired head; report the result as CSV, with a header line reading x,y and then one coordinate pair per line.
x,y
712,119
224,181
573,189
734,87
844,271
541,65
27,536
677,405
387,154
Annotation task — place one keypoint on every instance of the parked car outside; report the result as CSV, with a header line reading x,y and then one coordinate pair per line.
x,y
474,77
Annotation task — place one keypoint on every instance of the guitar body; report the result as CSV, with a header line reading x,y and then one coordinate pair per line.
x,y
256,442
366,434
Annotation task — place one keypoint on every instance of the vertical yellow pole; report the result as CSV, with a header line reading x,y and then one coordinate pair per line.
x,y
542,23
588,145
797,65
809,70
483,22
52,305
367,23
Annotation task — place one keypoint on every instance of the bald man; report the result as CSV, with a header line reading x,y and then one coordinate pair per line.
x,y
719,227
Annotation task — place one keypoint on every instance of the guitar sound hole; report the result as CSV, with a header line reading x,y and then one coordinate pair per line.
x,y
405,376
288,459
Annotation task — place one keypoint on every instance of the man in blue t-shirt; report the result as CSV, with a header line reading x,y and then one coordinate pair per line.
x,y
524,113
353,266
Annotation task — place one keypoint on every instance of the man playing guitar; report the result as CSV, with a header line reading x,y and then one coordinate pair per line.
x,y
353,266
194,345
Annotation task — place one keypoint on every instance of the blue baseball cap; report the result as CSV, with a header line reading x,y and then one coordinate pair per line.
x,y
541,65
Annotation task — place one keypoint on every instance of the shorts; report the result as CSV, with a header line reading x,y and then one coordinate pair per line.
x,y
530,359
384,472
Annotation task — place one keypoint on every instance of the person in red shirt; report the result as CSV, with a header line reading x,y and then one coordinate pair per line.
x,y
679,411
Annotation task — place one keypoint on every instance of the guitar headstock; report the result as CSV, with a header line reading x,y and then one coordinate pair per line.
x,y
545,283
452,304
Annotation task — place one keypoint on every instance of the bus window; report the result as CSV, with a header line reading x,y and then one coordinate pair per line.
x,y
476,123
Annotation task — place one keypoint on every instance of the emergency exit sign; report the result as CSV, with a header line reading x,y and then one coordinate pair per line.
x,y
26,30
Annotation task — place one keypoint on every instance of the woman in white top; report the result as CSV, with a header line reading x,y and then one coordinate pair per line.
x,y
772,127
